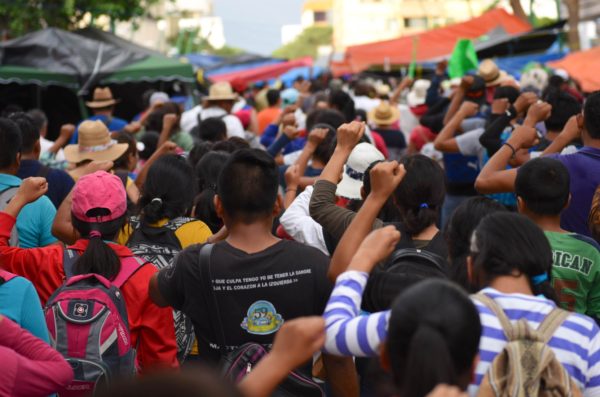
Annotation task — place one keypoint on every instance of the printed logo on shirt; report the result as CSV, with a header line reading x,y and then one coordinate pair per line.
x,y
262,319
571,261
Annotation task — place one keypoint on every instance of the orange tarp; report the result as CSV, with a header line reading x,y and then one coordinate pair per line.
x,y
582,66
432,43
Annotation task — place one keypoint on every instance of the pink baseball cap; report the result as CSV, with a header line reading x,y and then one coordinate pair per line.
x,y
99,190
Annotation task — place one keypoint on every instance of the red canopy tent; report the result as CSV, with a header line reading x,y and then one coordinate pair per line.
x,y
263,72
582,66
432,43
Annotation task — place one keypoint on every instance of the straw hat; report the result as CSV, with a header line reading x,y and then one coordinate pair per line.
x,y
102,98
221,91
491,73
418,93
384,114
94,143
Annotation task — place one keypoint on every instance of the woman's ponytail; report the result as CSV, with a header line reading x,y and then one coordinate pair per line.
x,y
427,363
98,258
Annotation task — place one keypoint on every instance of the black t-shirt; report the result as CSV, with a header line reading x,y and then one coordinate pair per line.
x,y
392,138
255,293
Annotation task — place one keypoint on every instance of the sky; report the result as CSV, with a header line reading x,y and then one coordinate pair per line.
x,y
255,25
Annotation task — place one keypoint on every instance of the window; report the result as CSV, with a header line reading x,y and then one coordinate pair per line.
x,y
320,16
420,23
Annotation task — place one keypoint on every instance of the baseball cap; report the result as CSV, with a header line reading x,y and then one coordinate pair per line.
x,y
159,97
363,155
99,190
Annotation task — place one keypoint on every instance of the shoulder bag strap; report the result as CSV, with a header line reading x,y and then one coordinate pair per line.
x,y
497,310
551,323
69,258
129,265
206,274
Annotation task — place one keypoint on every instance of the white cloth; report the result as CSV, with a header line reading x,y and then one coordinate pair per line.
x,y
189,120
365,103
300,226
468,144
46,144
408,121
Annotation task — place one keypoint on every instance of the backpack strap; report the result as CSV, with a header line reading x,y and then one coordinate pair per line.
x,y
69,258
551,323
6,276
497,310
129,265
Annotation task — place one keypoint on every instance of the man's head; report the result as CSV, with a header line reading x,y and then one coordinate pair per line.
x,y
40,120
542,187
273,98
30,135
10,146
563,107
212,129
102,102
247,188
591,115
221,95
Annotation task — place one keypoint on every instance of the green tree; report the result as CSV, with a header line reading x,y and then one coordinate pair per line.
x,y
307,43
18,17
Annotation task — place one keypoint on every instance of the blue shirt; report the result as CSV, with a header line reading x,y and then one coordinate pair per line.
x,y
583,166
20,303
34,223
60,182
114,124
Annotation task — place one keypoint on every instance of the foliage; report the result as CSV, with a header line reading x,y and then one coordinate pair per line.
x,y
189,41
307,43
18,17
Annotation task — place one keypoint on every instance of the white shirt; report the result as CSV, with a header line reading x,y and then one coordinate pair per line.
x,y
365,103
189,120
47,144
300,226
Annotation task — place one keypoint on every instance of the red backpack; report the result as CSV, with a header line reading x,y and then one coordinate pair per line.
x,y
88,324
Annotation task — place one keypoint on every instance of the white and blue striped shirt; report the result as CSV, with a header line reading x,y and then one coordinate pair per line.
x,y
576,342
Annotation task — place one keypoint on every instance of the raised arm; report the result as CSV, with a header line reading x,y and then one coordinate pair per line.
x,y
494,177
571,132
445,140
348,333
385,177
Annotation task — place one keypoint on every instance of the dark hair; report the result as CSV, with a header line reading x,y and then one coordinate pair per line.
x,y
323,150
505,242
150,140
208,170
212,129
146,95
273,97
98,257
10,142
421,193
362,88
39,118
231,145
458,232
508,92
591,115
544,185
29,134
196,382
247,185
154,122
341,101
563,107
123,161
433,337
331,117
198,151
168,191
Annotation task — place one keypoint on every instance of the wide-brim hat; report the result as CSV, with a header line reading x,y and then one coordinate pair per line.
x,y
94,143
102,98
418,93
384,114
362,156
221,91
491,73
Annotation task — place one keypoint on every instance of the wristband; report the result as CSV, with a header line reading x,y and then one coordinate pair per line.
x,y
514,152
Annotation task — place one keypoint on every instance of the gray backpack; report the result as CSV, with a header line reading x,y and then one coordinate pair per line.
x,y
5,196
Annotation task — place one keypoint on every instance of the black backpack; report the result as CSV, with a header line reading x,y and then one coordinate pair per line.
x,y
406,266
159,246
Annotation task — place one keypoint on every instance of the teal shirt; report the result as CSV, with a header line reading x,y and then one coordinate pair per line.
x,y
34,223
20,302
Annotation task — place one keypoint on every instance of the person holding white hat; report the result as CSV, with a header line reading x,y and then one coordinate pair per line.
x,y
218,103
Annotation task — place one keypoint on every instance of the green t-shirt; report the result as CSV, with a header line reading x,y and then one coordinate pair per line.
x,y
576,272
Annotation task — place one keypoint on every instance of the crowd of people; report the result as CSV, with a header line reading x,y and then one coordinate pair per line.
x,y
353,237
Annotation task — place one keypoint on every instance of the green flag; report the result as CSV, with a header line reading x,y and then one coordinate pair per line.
x,y
463,59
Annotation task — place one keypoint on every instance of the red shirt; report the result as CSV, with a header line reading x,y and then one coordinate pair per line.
x,y
152,330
